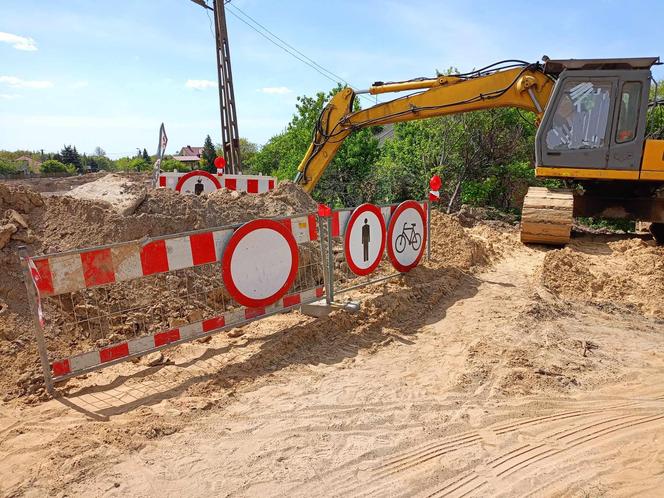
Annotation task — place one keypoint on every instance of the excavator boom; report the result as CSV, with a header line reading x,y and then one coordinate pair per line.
x,y
525,86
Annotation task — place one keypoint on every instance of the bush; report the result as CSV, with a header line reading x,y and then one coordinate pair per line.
x,y
7,168
53,166
171,164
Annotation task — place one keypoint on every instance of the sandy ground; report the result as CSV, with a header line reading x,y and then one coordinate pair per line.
x,y
501,388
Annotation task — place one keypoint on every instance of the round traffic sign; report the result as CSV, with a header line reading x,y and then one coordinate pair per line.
x,y
260,262
197,182
406,236
364,242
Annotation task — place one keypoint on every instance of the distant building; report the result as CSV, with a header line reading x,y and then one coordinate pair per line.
x,y
190,156
27,165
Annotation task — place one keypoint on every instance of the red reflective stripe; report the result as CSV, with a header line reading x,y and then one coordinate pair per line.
x,y
250,313
60,368
154,258
287,223
45,282
166,337
162,181
213,323
335,224
114,352
202,248
313,235
230,184
97,267
392,208
319,292
270,185
252,186
291,300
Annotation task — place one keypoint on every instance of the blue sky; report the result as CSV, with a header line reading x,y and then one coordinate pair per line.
x,y
107,73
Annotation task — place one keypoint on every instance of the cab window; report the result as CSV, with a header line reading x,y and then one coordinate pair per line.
x,y
581,116
630,99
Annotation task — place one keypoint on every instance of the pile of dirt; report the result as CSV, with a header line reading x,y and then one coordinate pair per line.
x,y
624,273
96,214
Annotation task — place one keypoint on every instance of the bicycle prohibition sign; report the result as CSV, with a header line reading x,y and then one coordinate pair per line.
x,y
406,235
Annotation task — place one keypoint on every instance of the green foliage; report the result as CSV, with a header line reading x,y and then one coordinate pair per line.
x,y
132,164
624,225
146,156
170,164
69,155
349,180
209,154
54,166
7,167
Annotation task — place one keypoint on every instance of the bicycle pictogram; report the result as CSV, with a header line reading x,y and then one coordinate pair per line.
x,y
408,236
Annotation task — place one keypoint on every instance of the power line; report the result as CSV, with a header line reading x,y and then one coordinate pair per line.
x,y
289,49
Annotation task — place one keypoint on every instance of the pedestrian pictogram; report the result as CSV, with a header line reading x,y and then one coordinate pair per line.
x,y
406,235
364,242
260,263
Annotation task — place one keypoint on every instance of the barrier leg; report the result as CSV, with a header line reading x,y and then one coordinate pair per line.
x,y
330,261
38,329
428,230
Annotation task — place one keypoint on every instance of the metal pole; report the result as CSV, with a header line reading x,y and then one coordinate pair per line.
x,y
428,230
330,261
326,275
229,130
39,332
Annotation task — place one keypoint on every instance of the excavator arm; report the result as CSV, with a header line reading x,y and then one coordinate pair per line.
x,y
525,86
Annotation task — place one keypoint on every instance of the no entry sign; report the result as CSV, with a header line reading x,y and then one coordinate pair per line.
x,y
197,182
260,263
364,242
406,236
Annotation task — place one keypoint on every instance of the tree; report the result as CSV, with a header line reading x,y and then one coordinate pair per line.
x,y
248,151
7,167
53,166
208,156
99,152
69,155
347,181
146,156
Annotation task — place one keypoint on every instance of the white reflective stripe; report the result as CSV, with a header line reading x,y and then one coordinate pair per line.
x,y
300,228
178,251
140,344
275,306
343,221
386,211
67,273
127,262
263,186
234,316
191,330
85,360
241,185
221,238
308,295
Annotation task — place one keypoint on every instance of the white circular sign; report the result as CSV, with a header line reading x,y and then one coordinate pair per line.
x,y
260,263
406,235
364,242
198,182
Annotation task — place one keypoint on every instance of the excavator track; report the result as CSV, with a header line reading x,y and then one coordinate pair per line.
x,y
547,216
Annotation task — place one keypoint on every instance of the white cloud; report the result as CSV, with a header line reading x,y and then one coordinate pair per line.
x,y
18,42
14,82
80,84
275,90
200,84
8,96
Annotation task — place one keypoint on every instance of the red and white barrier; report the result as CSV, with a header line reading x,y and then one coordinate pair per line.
x,y
208,182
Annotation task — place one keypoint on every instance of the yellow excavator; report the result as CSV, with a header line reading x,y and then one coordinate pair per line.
x,y
591,117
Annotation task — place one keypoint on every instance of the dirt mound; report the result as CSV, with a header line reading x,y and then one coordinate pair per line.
x,y
626,273
92,215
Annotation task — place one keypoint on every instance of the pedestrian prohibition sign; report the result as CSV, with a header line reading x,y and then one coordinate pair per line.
x,y
197,182
406,237
364,243
260,263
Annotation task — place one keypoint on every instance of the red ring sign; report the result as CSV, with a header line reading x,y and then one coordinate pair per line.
x,y
260,262
364,242
406,237
197,182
